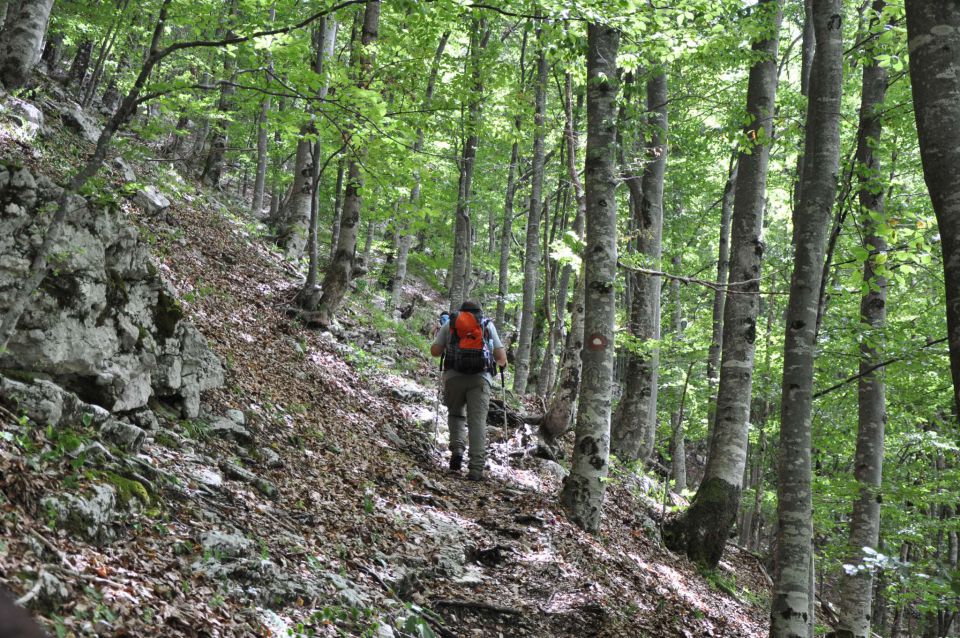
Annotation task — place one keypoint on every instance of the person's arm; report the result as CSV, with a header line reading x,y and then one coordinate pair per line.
x,y
499,352
440,341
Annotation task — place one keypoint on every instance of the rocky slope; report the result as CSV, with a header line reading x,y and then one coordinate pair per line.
x,y
300,493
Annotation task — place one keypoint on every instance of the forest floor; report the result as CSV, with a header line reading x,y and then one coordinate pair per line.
x,y
353,508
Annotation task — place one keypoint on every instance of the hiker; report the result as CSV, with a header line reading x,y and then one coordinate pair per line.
x,y
470,347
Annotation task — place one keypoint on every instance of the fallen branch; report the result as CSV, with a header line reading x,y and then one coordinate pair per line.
x,y
30,595
479,605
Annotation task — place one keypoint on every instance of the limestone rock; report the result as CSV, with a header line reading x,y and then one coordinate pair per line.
x,y
26,118
46,403
126,436
74,118
226,545
226,429
236,416
104,325
269,457
88,517
152,201
123,167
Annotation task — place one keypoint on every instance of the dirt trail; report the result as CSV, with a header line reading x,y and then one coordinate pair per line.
x,y
527,571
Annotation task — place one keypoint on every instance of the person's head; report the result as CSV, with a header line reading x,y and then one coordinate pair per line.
x,y
444,317
470,306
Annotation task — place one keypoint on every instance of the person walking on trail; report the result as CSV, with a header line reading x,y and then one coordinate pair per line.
x,y
470,349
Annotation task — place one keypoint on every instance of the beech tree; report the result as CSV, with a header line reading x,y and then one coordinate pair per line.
x,y
703,529
584,487
21,41
793,597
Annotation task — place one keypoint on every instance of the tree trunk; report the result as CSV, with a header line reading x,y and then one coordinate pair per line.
x,y
635,421
340,272
934,32
337,206
216,157
792,595
297,221
720,295
584,487
21,42
856,589
263,157
704,529
531,254
460,268
559,415
506,234
678,460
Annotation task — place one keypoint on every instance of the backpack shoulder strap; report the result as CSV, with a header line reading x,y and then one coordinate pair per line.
x,y
452,324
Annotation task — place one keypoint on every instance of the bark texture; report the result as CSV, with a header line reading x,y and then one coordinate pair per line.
x,y
340,272
933,28
584,488
21,42
531,256
720,295
704,530
856,589
635,421
792,602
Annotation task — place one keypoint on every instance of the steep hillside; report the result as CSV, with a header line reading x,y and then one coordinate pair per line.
x,y
304,496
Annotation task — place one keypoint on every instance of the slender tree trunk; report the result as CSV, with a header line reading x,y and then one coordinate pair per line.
x,y
337,206
934,32
79,65
704,529
309,296
460,283
21,42
216,157
559,415
584,487
340,272
531,255
635,421
506,233
792,595
720,295
404,238
678,453
263,156
857,588
297,221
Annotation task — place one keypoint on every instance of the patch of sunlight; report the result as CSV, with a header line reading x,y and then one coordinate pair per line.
x,y
675,581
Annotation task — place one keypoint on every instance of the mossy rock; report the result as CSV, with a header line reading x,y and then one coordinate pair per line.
x,y
128,489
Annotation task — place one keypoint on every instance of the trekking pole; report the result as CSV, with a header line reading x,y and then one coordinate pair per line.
x,y
436,407
503,388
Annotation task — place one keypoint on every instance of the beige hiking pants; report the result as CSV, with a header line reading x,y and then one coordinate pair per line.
x,y
467,398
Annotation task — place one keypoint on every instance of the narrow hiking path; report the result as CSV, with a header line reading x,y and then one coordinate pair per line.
x,y
359,480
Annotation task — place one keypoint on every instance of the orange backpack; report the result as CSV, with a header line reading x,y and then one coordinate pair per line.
x,y
467,349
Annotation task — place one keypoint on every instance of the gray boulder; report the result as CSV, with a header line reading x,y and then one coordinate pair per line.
x,y
152,201
126,436
26,118
88,517
126,171
224,428
73,117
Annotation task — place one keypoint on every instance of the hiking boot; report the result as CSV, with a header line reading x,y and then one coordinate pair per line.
x,y
475,475
456,462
